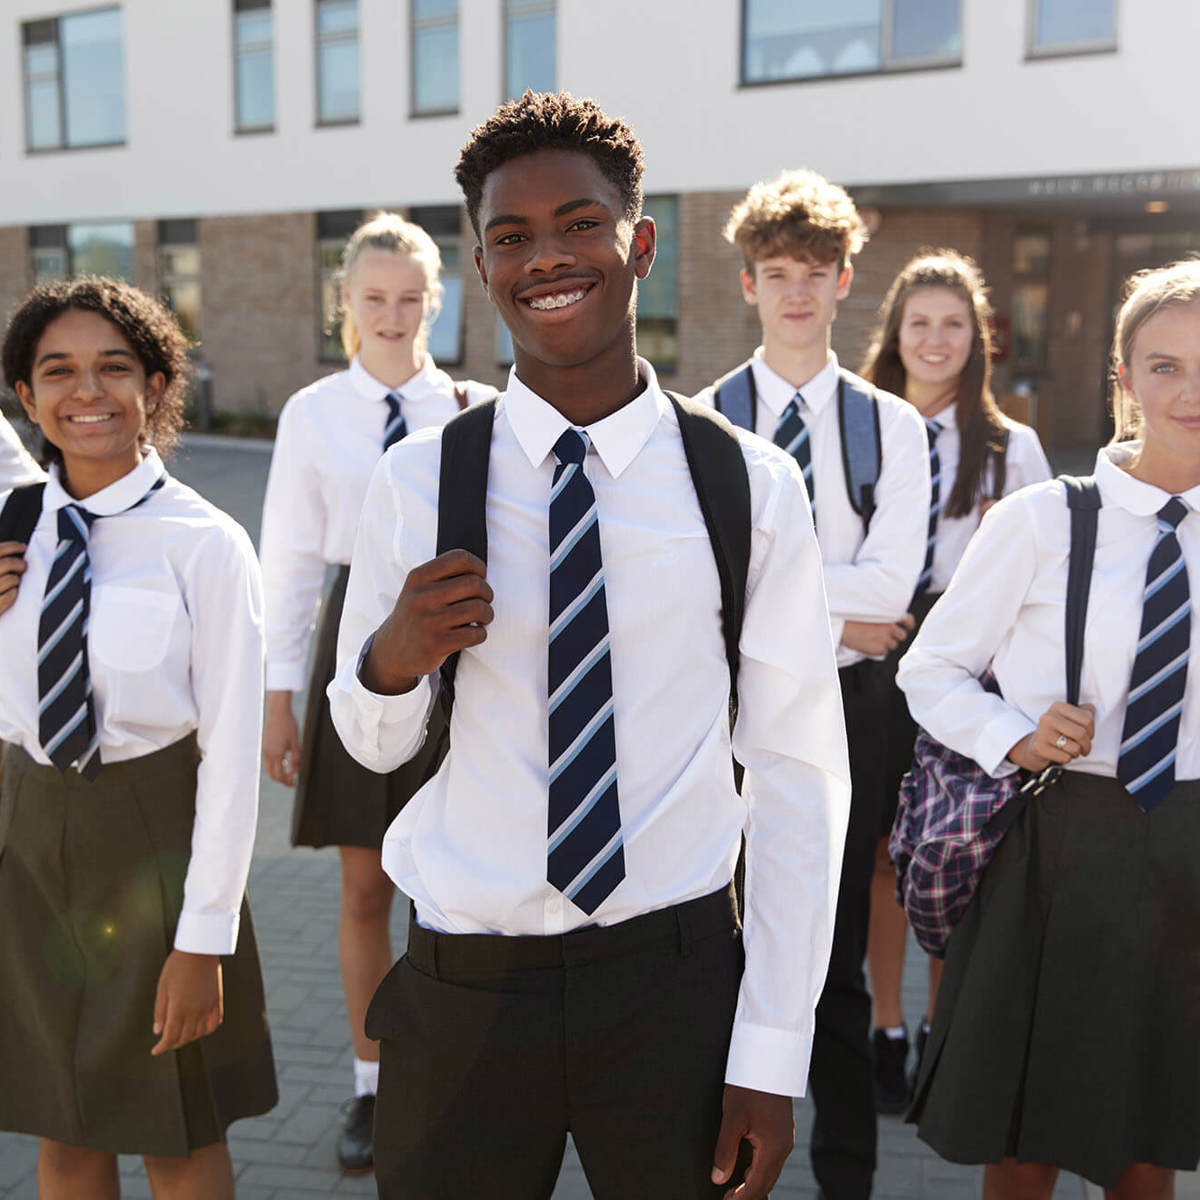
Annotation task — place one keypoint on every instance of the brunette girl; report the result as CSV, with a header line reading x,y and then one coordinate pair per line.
x,y
1067,1028
932,347
330,437
133,1018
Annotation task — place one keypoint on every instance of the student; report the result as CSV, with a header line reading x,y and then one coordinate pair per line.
x,y
932,348
797,235
133,1018
330,437
623,1014
1066,1032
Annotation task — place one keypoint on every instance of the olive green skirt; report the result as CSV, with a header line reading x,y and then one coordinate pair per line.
x,y
91,885
339,802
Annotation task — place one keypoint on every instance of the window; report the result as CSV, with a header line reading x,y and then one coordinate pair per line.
x,y
529,46
1072,26
337,62
253,66
807,39
65,251
179,272
333,228
444,225
434,56
658,293
74,81
1031,299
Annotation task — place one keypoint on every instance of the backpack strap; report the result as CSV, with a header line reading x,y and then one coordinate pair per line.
x,y
1000,465
1083,498
21,511
462,498
722,483
736,397
862,446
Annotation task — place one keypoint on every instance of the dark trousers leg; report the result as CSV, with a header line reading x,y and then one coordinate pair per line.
x,y
844,1130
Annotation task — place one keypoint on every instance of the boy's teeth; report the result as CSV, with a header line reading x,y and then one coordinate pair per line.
x,y
559,301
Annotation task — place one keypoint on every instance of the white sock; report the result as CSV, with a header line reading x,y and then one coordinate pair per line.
x,y
896,1032
366,1077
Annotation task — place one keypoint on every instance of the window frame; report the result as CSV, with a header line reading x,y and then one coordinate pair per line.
x,y
168,236
331,226
665,365
235,7
339,122
550,6
60,78
887,41
1036,53
415,24
444,223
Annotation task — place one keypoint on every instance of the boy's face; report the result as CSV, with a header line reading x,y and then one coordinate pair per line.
x,y
559,257
796,298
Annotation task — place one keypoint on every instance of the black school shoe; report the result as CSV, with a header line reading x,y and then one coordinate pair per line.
x,y
891,1076
355,1149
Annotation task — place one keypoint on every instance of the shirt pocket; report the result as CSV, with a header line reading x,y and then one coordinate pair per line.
x,y
129,629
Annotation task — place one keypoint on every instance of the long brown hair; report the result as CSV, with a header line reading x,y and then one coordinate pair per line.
x,y
980,422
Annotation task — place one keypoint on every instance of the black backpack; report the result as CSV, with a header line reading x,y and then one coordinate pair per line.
x,y
719,475
21,511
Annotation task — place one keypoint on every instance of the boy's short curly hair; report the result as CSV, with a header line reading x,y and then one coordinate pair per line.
x,y
147,325
551,121
800,214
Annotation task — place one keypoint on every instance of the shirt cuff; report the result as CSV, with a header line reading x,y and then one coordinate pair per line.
x,y
998,738
285,677
837,626
207,933
770,1060
387,710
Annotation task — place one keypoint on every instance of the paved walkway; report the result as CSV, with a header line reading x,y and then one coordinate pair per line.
x,y
289,1153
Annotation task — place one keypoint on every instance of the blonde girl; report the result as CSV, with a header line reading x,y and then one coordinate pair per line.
x,y
331,434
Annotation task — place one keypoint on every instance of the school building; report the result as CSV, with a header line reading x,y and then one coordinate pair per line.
x,y
217,152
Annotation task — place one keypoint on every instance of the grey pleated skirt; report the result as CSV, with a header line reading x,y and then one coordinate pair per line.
x,y
339,802
91,884
1067,1028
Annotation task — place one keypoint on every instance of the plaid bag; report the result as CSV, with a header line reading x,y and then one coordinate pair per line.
x,y
952,814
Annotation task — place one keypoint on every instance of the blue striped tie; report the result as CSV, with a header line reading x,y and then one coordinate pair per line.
x,y
66,715
792,434
586,857
932,429
395,427
1146,765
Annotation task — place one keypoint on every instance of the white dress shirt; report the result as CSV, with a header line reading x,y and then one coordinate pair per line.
x,y
869,578
329,439
470,847
175,645
1006,606
1025,464
17,466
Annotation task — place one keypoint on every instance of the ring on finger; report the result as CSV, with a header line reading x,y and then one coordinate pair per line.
x,y
1061,741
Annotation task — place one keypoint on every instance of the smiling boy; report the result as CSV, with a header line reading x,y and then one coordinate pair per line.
x,y
575,961
865,459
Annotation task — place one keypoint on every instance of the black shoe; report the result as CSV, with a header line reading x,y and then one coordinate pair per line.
x,y
891,1078
354,1149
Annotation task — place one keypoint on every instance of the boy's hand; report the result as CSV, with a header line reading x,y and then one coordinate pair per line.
x,y
444,606
189,1003
12,567
765,1121
1064,732
281,739
877,639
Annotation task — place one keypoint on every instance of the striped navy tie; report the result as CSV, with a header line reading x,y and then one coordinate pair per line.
x,y
586,856
932,429
792,434
66,715
395,427
1146,765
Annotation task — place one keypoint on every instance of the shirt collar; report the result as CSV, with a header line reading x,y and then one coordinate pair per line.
x,y
776,393
617,439
369,388
1118,487
115,498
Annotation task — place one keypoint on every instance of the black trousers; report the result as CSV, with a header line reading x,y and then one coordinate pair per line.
x,y
840,1077
493,1048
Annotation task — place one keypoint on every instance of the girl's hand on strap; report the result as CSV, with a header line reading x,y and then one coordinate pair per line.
x,y
189,1003
12,567
1064,732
